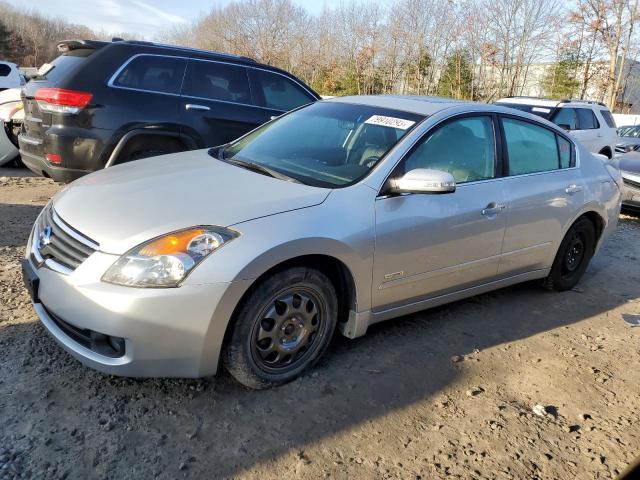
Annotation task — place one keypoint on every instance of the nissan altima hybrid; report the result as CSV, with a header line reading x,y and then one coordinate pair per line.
x,y
331,218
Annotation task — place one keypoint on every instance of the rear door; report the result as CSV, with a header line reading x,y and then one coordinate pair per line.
x,y
216,102
589,132
544,189
277,93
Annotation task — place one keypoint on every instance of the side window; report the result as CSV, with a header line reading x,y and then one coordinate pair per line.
x,y
153,73
586,119
464,147
217,81
530,148
279,92
564,149
566,116
5,70
608,118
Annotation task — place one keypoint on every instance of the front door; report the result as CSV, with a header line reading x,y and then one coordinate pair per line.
x,y
433,244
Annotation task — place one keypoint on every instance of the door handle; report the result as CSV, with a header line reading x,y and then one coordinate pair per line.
x,y
195,106
493,209
573,188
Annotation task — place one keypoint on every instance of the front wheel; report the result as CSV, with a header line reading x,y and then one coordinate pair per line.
x,y
282,328
573,256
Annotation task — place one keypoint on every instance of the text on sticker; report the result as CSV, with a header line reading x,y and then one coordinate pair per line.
x,y
392,122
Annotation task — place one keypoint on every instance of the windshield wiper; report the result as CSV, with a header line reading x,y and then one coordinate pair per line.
x,y
256,167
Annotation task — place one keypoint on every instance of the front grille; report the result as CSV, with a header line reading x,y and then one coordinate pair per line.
x,y
61,243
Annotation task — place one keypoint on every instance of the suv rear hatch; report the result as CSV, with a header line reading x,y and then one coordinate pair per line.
x,y
42,95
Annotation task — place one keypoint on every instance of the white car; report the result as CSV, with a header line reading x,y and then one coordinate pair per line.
x,y
591,123
11,118
10,76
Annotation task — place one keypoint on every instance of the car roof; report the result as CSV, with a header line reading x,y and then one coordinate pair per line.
x,y
409,103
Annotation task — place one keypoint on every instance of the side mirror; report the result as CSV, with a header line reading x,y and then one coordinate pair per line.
x,y
422,180
565,126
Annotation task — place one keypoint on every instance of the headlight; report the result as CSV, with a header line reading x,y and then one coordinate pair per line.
x,y
166,261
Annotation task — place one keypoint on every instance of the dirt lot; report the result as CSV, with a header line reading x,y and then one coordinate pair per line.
x,y
452,391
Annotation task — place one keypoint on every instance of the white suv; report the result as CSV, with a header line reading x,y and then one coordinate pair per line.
x,y
591,123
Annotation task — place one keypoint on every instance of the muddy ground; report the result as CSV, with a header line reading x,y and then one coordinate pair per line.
x,y
519,383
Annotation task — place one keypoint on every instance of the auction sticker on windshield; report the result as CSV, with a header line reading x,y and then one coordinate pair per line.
x,y
392,122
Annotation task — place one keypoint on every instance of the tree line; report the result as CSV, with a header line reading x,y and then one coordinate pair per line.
x,y
467,49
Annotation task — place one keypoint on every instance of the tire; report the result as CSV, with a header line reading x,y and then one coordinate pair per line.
x,y
573,256
282,328
145,147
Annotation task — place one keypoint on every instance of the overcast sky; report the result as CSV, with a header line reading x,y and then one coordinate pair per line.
x,y
147,17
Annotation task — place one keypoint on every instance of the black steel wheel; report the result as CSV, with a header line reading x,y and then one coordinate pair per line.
x,y
573,257
283,327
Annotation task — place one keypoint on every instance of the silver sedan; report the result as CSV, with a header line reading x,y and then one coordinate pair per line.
x,y
336,216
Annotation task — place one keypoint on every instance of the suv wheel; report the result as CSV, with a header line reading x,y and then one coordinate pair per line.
x,y
148,146
573,256
282,328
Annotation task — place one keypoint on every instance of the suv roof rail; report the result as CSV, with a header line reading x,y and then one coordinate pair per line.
x,y
579,100
564,100
189,49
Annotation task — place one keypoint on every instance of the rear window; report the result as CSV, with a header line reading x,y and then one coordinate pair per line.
x,y
608,118
152,73
544,112
217,81
63,65
5,70
587,119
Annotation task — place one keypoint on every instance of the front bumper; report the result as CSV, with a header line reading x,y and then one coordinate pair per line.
x,y
167,332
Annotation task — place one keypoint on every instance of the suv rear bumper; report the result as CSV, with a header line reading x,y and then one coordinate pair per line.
x,y
40,166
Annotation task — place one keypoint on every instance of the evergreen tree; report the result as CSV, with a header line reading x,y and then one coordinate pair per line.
x,y
560,80
456,77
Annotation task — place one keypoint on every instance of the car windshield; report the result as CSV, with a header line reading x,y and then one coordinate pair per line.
x,y
326,144
629,132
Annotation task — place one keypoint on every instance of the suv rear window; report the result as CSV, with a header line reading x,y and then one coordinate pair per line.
x,y
5,70
217,81
62,65
152,73
608,118
586,119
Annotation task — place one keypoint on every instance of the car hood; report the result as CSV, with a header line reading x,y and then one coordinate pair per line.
x,y
630,162
123,206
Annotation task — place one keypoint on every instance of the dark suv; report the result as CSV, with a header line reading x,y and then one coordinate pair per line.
x,y
103,103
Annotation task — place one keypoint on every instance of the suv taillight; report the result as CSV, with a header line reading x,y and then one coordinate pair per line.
x,y
59,100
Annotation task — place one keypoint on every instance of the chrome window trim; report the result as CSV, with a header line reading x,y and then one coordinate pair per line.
x,y
110,82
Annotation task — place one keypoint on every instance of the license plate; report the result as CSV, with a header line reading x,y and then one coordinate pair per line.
x,y
31,280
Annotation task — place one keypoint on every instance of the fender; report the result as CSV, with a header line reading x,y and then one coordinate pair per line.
x,y
191,144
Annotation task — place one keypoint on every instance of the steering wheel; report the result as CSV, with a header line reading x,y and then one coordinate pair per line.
x,y
370,161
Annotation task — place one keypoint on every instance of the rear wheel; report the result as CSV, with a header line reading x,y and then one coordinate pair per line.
x,y
573,256
148,146
282,328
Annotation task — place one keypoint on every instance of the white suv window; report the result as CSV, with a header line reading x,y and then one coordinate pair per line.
x,y
606,114
586,119
566,116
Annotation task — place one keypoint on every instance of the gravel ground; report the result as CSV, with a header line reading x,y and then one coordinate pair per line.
x,y
519,383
